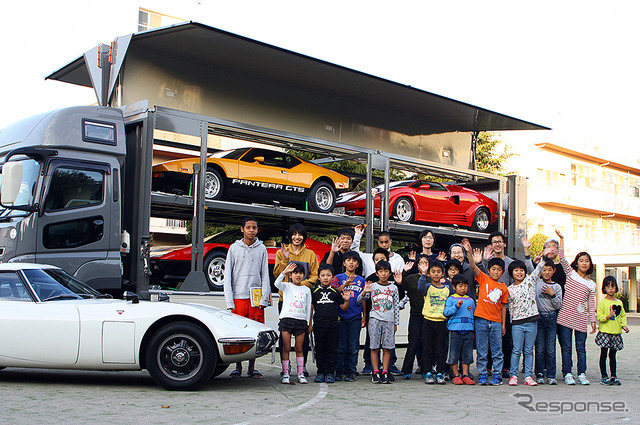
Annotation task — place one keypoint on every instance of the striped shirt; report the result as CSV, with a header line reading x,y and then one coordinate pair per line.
x,y
579,303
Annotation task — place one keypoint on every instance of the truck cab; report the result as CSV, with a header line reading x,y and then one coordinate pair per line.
x,y
61,187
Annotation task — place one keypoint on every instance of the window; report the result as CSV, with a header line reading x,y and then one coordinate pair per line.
x,y
73,233
12,288
148,19
584,175
74,188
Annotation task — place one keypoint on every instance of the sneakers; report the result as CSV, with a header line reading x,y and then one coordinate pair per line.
x,y
376,378
351,377
302,379
428,378
440,379
505,373
569,379
540,379
367,370
457,380
329,379
338,377
386,378
483,379
582,379
605,380
614,381
552,381
513,381
286,379
466,379
304,370
406,376
319,378
496,380
393,369
530,381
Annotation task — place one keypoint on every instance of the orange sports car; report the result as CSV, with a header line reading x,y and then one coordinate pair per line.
x,y
256,175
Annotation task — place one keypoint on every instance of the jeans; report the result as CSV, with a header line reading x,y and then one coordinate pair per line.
x,y
524,341
546,344
489,334
348,344
564,335
414,348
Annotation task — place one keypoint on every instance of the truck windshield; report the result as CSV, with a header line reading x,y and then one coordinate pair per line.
x,y
30,171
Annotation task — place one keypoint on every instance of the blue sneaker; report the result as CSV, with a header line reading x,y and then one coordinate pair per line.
x,y
351,377
338,377
483,379
367,369
329,379
428,378
440,379
496,380
406,376
319,378
393,369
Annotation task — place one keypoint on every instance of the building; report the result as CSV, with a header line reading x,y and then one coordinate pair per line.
x,y
592,199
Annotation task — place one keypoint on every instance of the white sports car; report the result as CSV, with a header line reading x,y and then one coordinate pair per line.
x,y
48,319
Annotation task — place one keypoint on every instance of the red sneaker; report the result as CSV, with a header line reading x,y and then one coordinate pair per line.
x,y
457,380
467,381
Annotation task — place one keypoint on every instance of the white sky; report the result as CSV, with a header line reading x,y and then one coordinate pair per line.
x,y
570,65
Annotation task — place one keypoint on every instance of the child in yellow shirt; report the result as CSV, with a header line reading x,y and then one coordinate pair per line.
x,y
613,321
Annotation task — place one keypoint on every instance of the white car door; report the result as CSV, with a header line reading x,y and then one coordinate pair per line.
x,y
46,333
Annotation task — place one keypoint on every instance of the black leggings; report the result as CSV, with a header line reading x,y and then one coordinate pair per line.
x,y
612,361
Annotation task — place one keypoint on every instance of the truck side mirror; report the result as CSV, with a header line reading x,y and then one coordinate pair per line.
x,y
11,182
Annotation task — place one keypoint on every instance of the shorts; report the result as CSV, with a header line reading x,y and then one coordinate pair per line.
x,y
293,326
460,348
381,334
244,309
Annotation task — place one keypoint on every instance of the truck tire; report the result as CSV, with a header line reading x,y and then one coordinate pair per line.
x,y
481,220
403,210
214,269
322,197
181,356
213,185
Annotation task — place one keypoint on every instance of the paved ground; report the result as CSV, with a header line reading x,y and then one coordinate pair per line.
x,y
34,396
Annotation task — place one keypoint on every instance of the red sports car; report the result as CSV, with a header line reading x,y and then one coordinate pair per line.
x,y
424,201
170,268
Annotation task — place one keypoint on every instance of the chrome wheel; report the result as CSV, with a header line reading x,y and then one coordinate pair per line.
x,y
214,266
212,185
404,210
481,220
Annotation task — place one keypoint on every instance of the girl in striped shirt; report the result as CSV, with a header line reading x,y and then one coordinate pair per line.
x,y
578,308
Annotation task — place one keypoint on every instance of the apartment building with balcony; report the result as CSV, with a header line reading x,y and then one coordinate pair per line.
x,y
592,199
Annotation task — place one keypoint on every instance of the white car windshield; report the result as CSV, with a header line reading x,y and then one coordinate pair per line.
x,y
47,287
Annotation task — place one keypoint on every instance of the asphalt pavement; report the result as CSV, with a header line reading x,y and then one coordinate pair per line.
x,y
37,396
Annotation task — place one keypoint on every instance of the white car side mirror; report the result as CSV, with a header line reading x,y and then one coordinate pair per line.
x,y
11,182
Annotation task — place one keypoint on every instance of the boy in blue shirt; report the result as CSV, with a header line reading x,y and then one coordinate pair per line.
x,y
351,320
459,309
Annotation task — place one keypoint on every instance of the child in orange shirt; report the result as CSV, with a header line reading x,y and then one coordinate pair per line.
x,y
490,314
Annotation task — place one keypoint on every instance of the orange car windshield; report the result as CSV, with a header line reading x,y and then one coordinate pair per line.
x,y
229,154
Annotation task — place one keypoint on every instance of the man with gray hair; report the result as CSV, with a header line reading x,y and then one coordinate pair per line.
x,y
559,276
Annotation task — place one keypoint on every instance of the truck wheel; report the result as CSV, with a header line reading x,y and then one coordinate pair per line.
x,y
322,197
481,220
213,185
181,356
403,210
214,269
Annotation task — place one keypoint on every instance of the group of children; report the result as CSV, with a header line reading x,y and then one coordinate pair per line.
x,y
453,320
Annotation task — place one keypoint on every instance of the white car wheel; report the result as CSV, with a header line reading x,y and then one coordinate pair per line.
x,y
181,356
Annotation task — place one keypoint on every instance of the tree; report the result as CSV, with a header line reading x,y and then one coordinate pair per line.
x,y
537,243
487,159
